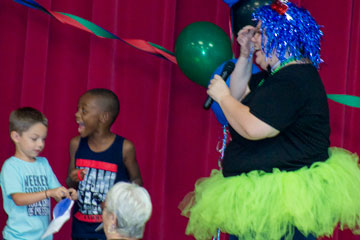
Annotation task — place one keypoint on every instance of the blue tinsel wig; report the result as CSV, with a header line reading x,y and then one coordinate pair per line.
x,y
289,29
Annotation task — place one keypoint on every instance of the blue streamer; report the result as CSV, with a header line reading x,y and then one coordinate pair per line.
x,y
32,4
223,146
221,151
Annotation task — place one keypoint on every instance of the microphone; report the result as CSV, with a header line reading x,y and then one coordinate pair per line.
x,y
225,73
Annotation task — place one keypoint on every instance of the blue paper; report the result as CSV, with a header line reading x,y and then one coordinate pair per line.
x,y
61,207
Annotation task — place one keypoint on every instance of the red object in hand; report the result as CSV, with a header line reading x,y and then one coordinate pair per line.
x,y
79,172
279,6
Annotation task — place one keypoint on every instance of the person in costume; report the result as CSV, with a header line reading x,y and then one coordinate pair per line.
x,y
279,178
127,209
27,180
98,159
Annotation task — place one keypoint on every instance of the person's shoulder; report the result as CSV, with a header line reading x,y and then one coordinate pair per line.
x,y
9,162
300,70
128,145
74,142
12,165
124,139
298,74
307,77
42,160
10,159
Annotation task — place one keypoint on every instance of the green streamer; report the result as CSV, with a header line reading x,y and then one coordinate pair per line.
x,y
161,48
98,31
348,100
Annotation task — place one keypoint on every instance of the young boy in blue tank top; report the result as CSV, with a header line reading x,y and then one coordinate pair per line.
x,y
98,159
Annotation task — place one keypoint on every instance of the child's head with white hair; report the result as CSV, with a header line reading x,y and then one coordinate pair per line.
x,y
127,208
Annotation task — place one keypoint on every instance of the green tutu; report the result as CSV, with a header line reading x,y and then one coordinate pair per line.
x,y
261,205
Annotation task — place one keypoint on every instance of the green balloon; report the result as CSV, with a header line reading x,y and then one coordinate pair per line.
x,y
200,48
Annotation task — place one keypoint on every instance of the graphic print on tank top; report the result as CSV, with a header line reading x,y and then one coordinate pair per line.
x,y
99,179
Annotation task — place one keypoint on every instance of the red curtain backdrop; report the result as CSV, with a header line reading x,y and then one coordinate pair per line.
x,y
48,65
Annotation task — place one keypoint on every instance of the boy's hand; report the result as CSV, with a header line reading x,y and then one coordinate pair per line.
x,y
73,194
74,175
102,206
58,193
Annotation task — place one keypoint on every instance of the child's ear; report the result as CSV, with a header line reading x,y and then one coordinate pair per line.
x,y
15,136
105,117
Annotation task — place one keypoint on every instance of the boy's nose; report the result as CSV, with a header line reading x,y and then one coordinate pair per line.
x,y
40,143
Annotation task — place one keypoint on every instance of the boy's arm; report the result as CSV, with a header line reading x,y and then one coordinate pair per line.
x,y
23,199
72,178
129,159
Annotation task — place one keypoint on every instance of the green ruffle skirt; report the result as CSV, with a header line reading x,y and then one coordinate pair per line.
x,y
260,205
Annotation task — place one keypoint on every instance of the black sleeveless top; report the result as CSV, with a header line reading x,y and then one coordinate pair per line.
x,y
103,170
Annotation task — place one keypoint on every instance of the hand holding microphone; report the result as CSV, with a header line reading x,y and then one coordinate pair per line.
x,y
225,73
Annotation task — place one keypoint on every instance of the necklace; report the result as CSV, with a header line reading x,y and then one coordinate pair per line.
x,y
277,66
280,65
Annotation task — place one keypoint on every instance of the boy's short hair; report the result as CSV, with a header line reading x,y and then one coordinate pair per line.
x,y
22,119
109,101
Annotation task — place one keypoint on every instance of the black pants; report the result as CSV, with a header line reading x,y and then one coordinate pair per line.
x,y
297,236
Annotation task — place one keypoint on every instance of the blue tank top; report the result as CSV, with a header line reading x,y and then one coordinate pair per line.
x,y
103,170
